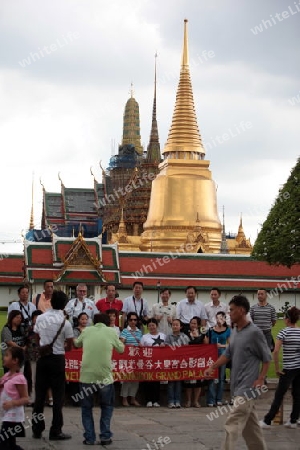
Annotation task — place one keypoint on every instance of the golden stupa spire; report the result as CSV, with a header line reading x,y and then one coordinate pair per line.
x,y
184,140
241,233
31,223
122,226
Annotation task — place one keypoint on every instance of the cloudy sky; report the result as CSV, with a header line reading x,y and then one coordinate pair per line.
x,y
65,74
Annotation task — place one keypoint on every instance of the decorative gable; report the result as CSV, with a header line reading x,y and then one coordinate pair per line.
x,y
79,258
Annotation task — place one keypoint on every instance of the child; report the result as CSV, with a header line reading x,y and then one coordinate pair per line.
x,y
175,339
113,314
13,396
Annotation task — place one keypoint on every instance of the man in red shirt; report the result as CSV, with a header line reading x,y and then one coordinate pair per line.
x,y
110,302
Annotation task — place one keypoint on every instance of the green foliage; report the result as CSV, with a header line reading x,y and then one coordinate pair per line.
x,y
278,240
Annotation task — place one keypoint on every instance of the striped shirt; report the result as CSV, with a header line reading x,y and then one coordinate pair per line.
x,y
290,338
131,337
263,316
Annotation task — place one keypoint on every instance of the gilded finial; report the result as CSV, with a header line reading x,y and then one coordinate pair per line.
x,y
131,92
59,177
185,53
41,183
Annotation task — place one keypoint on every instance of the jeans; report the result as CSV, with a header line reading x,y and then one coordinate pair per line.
x,y
291,376
174,392
215,390
106,395
50,373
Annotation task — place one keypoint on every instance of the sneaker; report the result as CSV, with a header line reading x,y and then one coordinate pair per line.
x,y
149,405
177,405
50,402
298,422
107,442
171,405
210,405
290,425
156,405
219,404
263,424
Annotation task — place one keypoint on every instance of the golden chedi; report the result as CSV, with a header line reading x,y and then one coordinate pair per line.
x,y
183,205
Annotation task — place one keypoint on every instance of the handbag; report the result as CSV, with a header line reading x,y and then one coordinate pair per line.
x,y
47,350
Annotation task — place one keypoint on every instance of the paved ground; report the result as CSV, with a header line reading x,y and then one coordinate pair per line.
x,y
182,429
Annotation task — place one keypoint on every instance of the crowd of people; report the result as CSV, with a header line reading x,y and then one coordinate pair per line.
x,y
38,333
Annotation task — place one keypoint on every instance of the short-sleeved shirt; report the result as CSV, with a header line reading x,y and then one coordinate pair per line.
x,y
47,326
98,342
177,339
75,307
185,310
247,349
17,336
139,306
212,311
219,337
159,309
10,392
290,338
26,310
131,337
104,304
263,316
153,340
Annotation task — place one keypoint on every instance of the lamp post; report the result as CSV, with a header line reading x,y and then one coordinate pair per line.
x,y
158,290
295,287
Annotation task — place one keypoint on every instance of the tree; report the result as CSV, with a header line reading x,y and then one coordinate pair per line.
x,y
279,239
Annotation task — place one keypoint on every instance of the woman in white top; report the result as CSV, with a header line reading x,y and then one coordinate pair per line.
x,y
164,313
152,339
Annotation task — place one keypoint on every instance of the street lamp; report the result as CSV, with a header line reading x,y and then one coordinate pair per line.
x,y
295,287
158,290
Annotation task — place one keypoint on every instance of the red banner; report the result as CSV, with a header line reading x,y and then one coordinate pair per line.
x,y
187,362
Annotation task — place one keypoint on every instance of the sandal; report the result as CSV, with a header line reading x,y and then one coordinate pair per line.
x,y
187,405
135,403
197,405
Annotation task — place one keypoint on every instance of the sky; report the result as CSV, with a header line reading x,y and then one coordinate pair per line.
x,y
66,69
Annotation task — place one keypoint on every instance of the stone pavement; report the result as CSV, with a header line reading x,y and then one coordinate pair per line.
x,y
180,429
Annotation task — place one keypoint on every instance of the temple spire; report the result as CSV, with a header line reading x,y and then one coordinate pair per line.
x,y
241,233
131,124
184,140
224,246
153,149
31,223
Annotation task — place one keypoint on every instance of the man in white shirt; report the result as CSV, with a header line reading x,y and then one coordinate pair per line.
x,y
136,303
189,307
215,306
50,369
23,305
80,304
